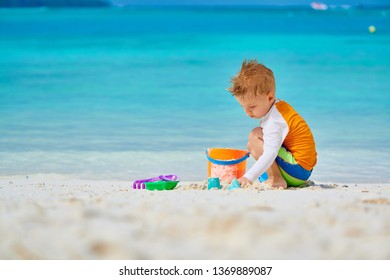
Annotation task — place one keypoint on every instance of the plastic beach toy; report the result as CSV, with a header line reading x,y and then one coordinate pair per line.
x,y
226,163
140,184
161,185
213,183
263,177
234,185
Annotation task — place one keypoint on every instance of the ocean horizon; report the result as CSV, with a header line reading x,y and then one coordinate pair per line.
x,y
131,93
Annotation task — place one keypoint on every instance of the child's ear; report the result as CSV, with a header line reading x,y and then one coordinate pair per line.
x,y
271,96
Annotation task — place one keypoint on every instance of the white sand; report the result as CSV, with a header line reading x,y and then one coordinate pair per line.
x,y
63,219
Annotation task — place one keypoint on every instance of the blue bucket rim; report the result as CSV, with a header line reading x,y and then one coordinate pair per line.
x,y
226,162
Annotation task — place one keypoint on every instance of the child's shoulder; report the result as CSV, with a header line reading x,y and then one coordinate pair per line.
x,y
287,111
280,102
283,105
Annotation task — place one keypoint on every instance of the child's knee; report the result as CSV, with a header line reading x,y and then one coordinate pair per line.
x,y
254,139
256,134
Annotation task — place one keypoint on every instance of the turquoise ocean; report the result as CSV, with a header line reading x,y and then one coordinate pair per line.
x,y
129,93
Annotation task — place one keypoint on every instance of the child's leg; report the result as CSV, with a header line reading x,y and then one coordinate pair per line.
x,y
255,147
275,178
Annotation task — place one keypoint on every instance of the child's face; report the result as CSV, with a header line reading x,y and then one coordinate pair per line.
x,y
256,106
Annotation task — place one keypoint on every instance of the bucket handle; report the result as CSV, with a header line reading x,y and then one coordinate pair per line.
x,y
226,162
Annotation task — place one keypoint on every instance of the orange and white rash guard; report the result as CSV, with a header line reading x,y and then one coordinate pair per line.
x,y
282,125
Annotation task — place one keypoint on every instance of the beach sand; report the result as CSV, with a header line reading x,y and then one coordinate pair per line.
x,y
74,219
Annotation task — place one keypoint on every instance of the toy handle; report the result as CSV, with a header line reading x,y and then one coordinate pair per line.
x,y
226,162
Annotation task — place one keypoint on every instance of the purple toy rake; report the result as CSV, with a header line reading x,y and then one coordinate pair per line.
x,y
140,184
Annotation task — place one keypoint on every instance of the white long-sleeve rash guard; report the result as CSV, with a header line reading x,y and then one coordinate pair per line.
x,y
275,130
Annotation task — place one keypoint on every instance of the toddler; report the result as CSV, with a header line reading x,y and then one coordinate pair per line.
x,y
283,145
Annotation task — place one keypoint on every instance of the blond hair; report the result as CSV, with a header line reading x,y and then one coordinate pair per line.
x,y
253,78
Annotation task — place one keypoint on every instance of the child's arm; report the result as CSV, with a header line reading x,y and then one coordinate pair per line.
x,y
274,133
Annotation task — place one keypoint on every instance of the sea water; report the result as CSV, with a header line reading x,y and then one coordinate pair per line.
x,y
137,92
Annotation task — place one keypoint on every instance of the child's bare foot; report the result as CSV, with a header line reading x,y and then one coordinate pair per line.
x,y
276,183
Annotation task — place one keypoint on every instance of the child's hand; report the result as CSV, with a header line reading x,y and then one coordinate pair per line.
x,y
244,182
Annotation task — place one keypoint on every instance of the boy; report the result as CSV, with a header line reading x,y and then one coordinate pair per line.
x,y
283,145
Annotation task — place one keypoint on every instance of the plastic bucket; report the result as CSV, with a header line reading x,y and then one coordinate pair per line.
x,y
226,163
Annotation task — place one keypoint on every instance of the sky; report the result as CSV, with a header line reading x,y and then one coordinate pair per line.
x,y
250,2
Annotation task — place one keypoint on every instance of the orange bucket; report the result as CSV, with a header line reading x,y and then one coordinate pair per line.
x,y
226,163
